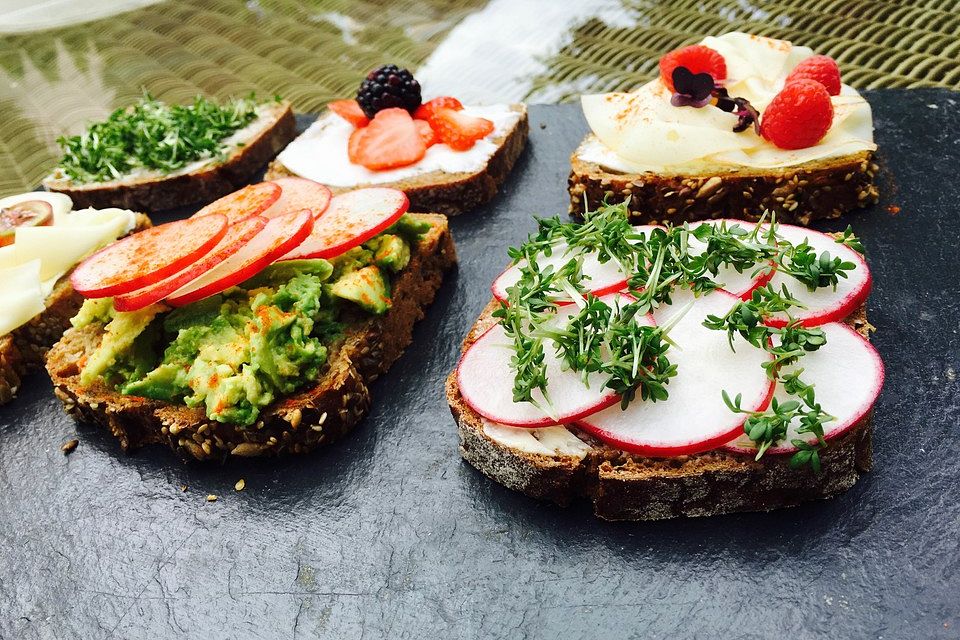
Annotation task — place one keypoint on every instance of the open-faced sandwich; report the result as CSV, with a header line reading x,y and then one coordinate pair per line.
x,y
732,127
254,327
672,371
447,157
154,156
41,240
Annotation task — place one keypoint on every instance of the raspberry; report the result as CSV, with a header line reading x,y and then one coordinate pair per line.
x,y
696,58
823,69
799,116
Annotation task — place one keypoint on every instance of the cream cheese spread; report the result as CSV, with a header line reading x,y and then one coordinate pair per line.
x,y
642,132
547,441
320,153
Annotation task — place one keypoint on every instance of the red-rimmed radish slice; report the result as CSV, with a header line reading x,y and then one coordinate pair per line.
x,y
740,284
147,256
826,304
236,237
604,278
694,418
486,381
846,372
277,237
299,193
243,203
351,219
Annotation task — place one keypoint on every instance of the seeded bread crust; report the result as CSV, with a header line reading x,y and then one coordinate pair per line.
x,y
815,190
197,187
625,486
319,414
22,350
451,193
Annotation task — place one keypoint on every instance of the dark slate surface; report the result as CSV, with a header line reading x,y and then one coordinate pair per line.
x,y
390,535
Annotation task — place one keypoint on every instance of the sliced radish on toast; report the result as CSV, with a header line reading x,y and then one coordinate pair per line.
x,y
739,283
148,256
847,374
351,219
694,418
600,278
243,203
826,304
297,194
277,237
237,236
486,381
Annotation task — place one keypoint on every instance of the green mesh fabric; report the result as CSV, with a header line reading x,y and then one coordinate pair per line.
x,y
53,82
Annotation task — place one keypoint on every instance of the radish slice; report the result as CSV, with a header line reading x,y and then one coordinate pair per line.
x,y
299,193
486,381
148,256
603,278
694,417
244,203
847,373
740,284
276,238
825,304
352,219
236,237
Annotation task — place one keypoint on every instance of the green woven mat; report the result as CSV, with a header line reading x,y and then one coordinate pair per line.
x,y
55,81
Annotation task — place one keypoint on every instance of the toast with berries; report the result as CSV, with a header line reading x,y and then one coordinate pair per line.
x,y
445,156
733,127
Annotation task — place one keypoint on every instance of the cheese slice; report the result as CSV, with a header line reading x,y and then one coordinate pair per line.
x,y
20,295
60,247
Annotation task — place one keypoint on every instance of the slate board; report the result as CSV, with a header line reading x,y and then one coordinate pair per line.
x,y
390,535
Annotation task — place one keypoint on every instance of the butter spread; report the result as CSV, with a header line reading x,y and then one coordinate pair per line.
x,y
642,132
320,153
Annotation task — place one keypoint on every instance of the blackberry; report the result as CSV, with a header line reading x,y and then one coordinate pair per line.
x,y
388,87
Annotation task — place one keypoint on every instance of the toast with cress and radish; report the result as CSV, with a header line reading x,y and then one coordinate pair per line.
x,y
734,126
445,156
658,372
255,327
42,238
154,156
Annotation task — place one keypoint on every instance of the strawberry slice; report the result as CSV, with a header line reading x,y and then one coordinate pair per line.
x,y
426,110
277,237
299,193
352,219
234,239
350,111
390,140
243,203
427,134
148,256
459,130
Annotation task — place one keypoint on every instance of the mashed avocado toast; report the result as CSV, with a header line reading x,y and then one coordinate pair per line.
x,y
276,363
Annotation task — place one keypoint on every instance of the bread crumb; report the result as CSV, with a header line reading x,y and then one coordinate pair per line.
x,y
211,498
69,446
241,484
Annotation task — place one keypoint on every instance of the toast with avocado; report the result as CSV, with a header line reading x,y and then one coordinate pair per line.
x,y
672,371
153,156
36,297
275,360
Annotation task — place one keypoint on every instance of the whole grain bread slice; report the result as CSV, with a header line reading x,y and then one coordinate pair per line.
x,y
159,193
626,486
799,194
22,350
319,414
451,193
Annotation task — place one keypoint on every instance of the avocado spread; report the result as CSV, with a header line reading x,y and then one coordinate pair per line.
x,y
236,352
